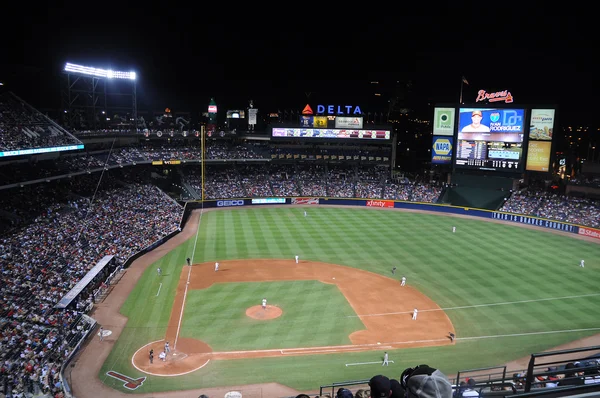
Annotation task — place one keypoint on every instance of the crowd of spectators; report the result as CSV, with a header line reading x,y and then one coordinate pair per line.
x,y
23,127
46,254
284,180
554,206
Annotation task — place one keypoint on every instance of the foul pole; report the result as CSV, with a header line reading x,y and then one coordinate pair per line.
x,y
203,160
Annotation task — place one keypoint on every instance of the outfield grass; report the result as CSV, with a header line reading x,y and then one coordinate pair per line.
x,y
497,283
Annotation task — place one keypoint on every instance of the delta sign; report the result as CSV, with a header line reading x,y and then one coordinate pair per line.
x,y
442,150
333,110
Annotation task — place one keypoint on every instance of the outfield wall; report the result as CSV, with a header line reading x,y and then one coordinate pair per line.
x,y
439,208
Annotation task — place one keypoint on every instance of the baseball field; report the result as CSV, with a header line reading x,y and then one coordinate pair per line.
x,y
504,290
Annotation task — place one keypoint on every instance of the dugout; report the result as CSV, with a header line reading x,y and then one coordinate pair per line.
x,y
478,191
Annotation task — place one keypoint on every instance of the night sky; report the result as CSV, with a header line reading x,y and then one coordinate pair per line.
x,y
182,60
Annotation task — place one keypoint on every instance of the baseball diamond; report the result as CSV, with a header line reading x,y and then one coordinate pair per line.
x,y
432,328
340,304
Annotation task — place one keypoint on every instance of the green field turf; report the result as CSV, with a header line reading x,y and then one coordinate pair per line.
x,y
217,316
508,290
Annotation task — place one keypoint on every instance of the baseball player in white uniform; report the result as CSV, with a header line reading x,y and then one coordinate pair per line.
x,y
159,271
453,229
297,259
403,283
582,263
304,213
385,360
414,317
216,267
264,304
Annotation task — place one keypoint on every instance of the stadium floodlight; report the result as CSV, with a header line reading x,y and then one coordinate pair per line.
x,y
97,72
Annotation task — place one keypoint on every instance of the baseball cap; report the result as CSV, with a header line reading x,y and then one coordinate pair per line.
x,y
380,386
476,113
427,382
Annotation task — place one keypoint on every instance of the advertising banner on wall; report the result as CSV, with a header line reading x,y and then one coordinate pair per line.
x,y
344,122
538,155
380,203
542,124
591,232
305,201
441,152
443,121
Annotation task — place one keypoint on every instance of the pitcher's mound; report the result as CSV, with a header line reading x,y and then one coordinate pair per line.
x,y
257,312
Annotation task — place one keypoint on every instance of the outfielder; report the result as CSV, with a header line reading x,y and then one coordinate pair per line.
x,y
304,213
414,317
216,267
582,264
453,229
394,271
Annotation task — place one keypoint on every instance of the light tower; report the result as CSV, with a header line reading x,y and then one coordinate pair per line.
x,y
93,95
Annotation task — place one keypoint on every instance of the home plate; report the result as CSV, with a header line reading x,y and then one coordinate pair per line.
x,y
333,277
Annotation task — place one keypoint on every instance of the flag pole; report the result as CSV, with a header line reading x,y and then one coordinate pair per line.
x,y
462,82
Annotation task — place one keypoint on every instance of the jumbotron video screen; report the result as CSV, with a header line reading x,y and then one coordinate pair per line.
x,y
490,139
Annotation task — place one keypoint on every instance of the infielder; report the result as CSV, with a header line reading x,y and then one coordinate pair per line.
x,y
159,271
394,271
582,264
297,259
216,267
385,359
264,304
414,317
403,283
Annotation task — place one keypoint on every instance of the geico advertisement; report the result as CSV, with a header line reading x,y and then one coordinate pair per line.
x,y
538,155
229,203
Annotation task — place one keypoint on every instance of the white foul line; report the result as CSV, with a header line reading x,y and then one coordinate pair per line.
x,y
480,305
157,293
187,284
364,363
389,344
527,334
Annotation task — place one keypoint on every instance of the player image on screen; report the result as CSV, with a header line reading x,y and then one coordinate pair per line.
x,y
475,126
490,138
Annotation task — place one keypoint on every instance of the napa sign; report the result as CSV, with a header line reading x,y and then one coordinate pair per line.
x,y
442,150
333,110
